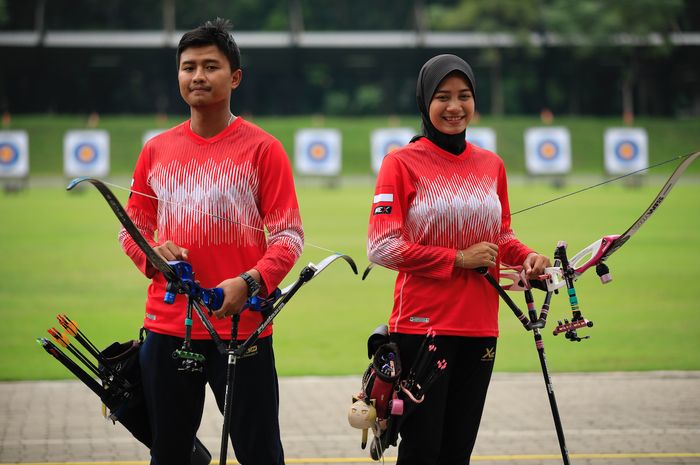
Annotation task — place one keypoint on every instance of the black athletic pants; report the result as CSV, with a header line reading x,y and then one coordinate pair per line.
x,y
442,429
175,400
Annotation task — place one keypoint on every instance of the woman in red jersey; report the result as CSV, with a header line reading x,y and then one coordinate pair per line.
x,y
441,210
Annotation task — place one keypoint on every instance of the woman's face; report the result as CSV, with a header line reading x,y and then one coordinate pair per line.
x,y
452,106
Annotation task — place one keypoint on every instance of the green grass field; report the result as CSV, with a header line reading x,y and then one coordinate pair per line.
x,y
59,254
667,138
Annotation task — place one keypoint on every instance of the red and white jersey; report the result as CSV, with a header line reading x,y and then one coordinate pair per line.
x,y
428,203
214,197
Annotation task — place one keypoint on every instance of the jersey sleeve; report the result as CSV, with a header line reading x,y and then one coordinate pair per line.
x,y
387,243
512,251
142,208
279,210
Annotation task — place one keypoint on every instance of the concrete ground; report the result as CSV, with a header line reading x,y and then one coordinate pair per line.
x,y
618,418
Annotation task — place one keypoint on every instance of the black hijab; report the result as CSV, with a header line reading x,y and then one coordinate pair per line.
x,y
429,78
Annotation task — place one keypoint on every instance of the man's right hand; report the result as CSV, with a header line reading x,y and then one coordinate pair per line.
x,y
170,251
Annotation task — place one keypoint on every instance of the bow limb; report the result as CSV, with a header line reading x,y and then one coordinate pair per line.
x,y
178,273
322,265
660,197
309,272
155,259
367,270
599,251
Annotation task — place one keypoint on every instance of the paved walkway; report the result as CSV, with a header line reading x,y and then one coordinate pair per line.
x,y
618,418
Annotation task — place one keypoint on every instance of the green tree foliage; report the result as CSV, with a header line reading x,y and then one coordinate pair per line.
x,y
101,14
517,17
246,15
589,26
3,13
594,25
321,15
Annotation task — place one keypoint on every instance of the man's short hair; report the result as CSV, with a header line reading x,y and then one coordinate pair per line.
x,y
216,32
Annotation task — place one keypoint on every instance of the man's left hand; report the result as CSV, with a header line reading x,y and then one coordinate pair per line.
x,y
235,296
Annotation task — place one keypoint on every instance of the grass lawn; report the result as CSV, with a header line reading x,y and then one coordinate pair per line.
x,y
60,255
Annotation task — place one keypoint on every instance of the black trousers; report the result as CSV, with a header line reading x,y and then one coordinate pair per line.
x,y
175,400
443,428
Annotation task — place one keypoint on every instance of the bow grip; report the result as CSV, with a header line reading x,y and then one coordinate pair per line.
x,y
262,304
213,298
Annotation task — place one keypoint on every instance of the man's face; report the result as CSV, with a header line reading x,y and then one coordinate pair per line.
x,y
205,77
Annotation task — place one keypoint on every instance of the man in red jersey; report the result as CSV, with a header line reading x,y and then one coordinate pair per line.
x,y
205,191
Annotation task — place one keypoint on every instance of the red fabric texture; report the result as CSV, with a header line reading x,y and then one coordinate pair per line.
x,y
429,203
214,197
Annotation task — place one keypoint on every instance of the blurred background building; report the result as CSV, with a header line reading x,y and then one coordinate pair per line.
x,y
357,57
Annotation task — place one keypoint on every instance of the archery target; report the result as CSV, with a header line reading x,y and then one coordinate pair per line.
x,y
384,141
626,150
9,154
86,153
317,152
482,137
150,134
548,150
14,154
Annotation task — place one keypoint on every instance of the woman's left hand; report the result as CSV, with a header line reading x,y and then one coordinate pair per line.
x,y
535,264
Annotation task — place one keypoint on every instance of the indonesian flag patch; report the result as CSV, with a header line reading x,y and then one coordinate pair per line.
x,y
383,198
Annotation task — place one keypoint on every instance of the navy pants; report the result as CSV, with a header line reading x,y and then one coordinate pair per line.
x,y
175,400
442,429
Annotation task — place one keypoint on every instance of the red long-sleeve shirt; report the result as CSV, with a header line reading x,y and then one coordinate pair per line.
x,y
214,197
429,203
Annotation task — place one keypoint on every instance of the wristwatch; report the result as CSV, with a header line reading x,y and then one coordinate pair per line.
x,y
253,285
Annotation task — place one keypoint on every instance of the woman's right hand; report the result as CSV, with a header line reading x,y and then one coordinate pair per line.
x,y
477,255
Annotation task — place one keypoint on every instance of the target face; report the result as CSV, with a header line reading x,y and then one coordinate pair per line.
x,y
86,153
482,137
9,154
383,141
626,150
317,152
392,145
548,150
14,154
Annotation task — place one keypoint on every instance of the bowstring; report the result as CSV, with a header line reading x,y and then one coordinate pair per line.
x,y
537,205
196,210
310,244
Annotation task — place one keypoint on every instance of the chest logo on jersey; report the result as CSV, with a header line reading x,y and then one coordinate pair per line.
x,y
417,319
382,210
